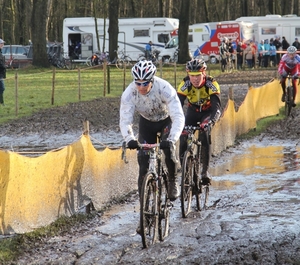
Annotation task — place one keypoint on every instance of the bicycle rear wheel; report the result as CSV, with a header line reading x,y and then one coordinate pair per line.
x,y
88,61
164,210
148,211
288,100
187,183
120,63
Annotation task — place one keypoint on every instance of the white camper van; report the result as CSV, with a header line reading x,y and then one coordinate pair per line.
x,y
267,27
197,34
208,36
134,34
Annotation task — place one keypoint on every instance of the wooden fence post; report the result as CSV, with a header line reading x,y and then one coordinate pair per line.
x,y
79,84
108,79
86,127
124,76
16,94
175,76
53,86
104,78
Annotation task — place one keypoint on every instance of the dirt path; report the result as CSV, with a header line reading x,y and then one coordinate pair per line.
x,y
249,225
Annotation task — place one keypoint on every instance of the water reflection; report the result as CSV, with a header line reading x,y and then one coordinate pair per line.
x,y
261,160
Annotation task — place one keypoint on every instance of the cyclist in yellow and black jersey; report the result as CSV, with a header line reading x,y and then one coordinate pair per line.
x,y
204,105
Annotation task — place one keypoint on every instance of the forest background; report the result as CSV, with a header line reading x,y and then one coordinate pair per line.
x,y
42,20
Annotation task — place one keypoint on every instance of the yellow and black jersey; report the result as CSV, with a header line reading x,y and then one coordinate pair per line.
x,y
198,97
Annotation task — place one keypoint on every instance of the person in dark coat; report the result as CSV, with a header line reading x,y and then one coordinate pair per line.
x,y
2,72
285,44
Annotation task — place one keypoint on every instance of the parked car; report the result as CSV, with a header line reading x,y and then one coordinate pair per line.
x,y
16,55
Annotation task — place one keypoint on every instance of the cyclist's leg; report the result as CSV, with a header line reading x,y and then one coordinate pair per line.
x,y
2,88
147,134
283,85
143,168
295,81
182,146
205,157
173,188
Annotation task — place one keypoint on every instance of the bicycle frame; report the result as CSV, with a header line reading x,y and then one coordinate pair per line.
x,y
154,210
154,202
289,96
191,167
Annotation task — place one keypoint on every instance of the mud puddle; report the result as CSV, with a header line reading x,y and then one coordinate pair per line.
x,y
255,220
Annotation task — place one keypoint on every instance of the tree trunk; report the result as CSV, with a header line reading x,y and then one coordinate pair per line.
x,y
183,32
38,23
113,30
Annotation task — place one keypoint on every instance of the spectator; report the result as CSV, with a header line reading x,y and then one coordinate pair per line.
x,y
277,43
296,44
254,51
239,55
267,53
224,53
2,72
231,50
148,50
272,53
261,52
285,44
249,55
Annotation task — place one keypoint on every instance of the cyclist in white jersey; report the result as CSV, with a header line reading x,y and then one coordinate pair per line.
x,y
289,64
159,109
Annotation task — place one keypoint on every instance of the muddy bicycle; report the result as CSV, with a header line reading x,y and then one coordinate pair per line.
x,y
289,97
155,205
191,184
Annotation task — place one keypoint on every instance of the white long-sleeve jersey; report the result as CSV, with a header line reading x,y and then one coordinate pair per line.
x,y
161,101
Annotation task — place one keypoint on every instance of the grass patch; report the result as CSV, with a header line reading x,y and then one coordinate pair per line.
x,y
261,127
11,248
28,90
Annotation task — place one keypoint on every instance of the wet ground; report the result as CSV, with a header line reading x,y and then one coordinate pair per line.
x,y
254,198
253,219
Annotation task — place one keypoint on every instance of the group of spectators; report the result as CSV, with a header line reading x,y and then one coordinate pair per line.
x,y
265,53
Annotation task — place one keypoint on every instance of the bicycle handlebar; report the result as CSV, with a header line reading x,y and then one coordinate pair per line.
x,y
198,127
148,146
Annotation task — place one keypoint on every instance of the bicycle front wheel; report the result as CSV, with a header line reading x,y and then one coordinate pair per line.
x,y
148,211
164,207
120,64
187,183
127,61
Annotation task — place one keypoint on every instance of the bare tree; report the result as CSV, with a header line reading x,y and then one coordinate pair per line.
x,y
183,31
113,30
38,22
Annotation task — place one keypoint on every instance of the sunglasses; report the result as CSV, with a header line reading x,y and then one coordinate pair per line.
x,y
143,84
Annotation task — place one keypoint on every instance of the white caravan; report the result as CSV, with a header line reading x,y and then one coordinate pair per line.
x,y
134,34
267,27
208,36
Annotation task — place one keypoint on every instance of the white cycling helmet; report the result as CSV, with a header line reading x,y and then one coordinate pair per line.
x,y
143,70
291,50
